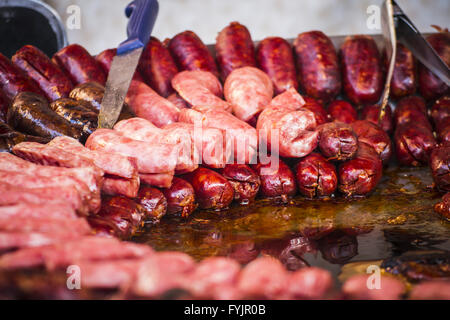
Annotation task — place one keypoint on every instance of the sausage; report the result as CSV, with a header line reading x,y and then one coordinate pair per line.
x,y
153,202
411,109
360,176
79,65
105,59
212,190
135,213
180,198
440,167
317,108
190,53
158,67
404,76
120,218
337,141
3,107
248,90
234,49
443,207
244,180
413,144
50,79
104,227
274,56
14,81
277,181
362,75
77,113
430,86
9,138
440,113
374,136
316,177
443,130
30,113
317,65
371,113
343,111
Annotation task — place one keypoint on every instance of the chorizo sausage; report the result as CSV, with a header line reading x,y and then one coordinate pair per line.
x,y
411,109
136,213
443,207
362,75
374,136
316,177
371,113
105,59
153,202
277,181
244,180
404,76
443,130
317,65
343,111
234,49
274,56
337,141
30,113
190,53
3,107
158,67
440,113
440,167
51,80
212,190
413,144
103,227
180,198
317,108
430,86
79,65
14,81
360,176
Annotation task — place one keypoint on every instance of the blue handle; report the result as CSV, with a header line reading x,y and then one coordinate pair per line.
x,y
142,14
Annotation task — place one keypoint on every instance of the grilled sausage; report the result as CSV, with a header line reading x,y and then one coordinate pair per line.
x,y
404,76
3,107
362,75
443,207
440,113
374,136
274,56
413,144
212,190
77,113
343,111
440,167
52,81
105,59
180,198
316,177
443,130
360,176
371,113
234,49
190,53
135,212
79,65
337,141
153,202
317,108
318,66
276,181
14,81
158,67
244,180
430,86
30,113
411,109
104,227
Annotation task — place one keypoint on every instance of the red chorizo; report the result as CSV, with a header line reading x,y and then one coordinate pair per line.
x,y
404,76
180,198
316,177
413,144
244,180
360,176
3,107
277,180
190,53
411,109
318,66
343,111
153,202
317,108
212,190
371,113
443,130
430,86
374,136
362,75
443,207
79,65
440,113
158,67
274,56
14,81
135,211
105,59
234,49
52,81
337,141
440,167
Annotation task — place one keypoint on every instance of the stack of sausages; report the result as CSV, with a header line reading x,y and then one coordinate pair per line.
x,y
193,124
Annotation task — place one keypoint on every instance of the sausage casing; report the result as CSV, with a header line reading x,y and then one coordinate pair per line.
x,y
343,111
337,141
180,198
244,180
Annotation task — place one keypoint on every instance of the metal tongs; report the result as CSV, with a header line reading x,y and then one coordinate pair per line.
x,y
396,25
